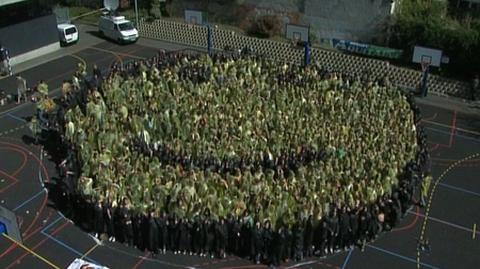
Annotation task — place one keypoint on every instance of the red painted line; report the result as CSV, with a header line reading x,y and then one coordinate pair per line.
x,y
122,55
12,247
16,261
44,202
417,210
432,149
25,237
24,161
47,179
14,181
452,134
140,261
452,131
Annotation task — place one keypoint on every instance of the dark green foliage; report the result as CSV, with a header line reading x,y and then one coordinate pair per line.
x,y
266,26
427,23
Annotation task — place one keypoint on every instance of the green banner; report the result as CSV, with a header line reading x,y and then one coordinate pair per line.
x,y
365,49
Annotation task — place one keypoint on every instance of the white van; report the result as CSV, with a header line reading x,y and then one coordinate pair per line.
x,y
117,28
67,33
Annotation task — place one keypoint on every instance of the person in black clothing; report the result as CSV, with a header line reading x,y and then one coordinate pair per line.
x,y
354,224
278,244
162,224
137,230
183,236
190,236
257,250
267,235
322,233
396,212
333,230
197,235
152,233
405,200
297,241
344,227
203,236
363,227
108,216
98,218
245,231
208,237
235,235
127,226
308,239
288,245
118,223
221,237
173,234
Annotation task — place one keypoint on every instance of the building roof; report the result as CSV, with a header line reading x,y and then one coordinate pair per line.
x,y
8,2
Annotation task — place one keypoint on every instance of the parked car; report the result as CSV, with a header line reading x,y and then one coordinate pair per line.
x,y
118,29
67,33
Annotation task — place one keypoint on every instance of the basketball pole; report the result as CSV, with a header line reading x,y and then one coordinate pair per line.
x,y
136,13
209,39
425,80
307,53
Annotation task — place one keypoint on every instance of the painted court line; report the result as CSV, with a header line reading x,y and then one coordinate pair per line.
x,y
401,256
60,242
454,133
63,244
456,128
347,259
16,118
459,189
28,200
51,224
445,222
31,251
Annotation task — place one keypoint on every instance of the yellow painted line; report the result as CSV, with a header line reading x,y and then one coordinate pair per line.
x,y
13,129
430,198
79,58
448,126
474,230
118,53
89,251
31,251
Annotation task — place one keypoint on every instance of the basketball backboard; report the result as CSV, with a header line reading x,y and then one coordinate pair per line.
x,y
427,55
297,32
193,17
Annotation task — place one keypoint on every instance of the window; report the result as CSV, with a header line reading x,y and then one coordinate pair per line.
x,y
70,31
126,26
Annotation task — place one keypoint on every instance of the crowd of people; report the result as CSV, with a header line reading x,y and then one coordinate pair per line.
x,y
243,155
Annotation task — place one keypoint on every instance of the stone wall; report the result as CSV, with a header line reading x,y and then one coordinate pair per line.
x,y
358,20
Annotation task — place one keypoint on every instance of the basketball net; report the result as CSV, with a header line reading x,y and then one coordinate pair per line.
x,y
425,65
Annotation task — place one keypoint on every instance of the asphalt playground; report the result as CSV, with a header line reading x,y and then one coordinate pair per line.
x,y
449,222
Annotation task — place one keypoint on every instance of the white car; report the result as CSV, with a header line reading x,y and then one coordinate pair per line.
x,y
117,28
67,33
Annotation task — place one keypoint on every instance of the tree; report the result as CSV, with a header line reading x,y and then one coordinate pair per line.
x,y
427,23
155,9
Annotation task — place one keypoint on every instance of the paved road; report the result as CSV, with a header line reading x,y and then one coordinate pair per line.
x,y
453,136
